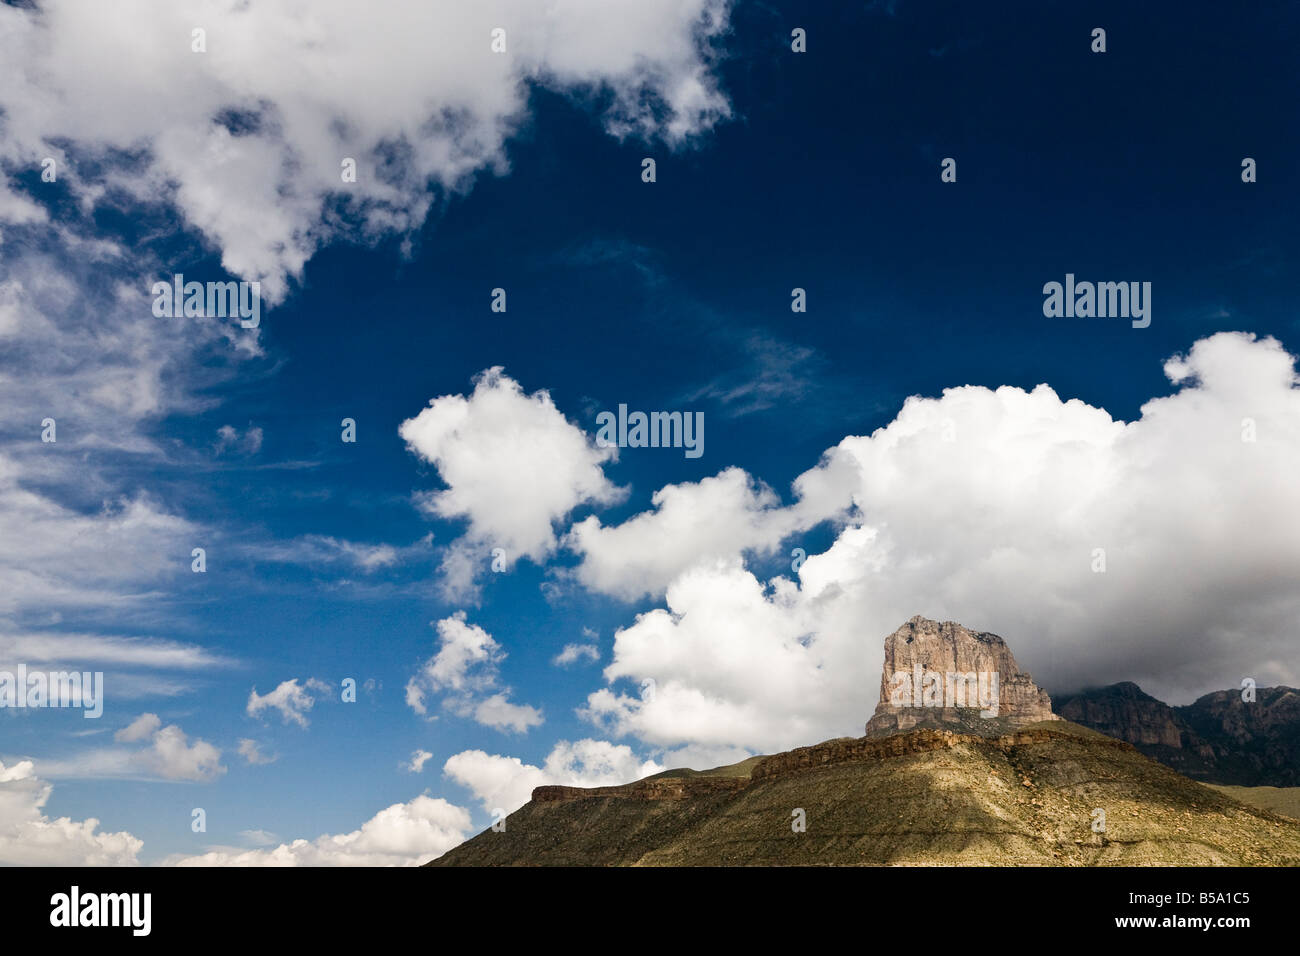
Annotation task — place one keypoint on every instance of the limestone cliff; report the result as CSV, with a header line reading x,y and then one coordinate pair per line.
x,y
945,675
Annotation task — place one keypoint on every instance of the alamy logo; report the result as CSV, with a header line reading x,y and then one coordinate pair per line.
x,y
211,300
103,909
53,689
923,688
1102,300
656,430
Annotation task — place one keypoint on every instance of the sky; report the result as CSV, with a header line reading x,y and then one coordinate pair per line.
x,y
394,637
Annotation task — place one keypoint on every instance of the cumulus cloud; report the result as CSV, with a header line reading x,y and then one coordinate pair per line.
x,y
573,653
167,754
507,782
247,139
143,727
466,669
695,523
513,466
30,838
992,507
404,834
290,699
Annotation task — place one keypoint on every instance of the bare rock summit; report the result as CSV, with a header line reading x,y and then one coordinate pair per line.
x,y
948,676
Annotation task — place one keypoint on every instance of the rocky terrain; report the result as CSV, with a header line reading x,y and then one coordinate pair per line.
x,y
938,780
923,797
1219,738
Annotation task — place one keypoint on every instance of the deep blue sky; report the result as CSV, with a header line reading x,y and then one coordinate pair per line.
x,y
1122,166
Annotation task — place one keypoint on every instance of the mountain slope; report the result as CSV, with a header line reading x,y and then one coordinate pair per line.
x,y
921,797
1219,738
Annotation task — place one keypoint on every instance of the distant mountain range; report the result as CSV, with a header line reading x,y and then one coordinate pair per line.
x,y
1218,739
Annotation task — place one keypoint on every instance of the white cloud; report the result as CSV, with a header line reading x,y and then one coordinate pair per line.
x,y
247,139
467,657
30,838
497,711
55,647
418,759
323,550
251,751
289,698
731,668
258,837
404,834
175,758
692,523
245,142
229,438
168,755
56,556
985,506
573,653
466,669
507,782
142,728
513,466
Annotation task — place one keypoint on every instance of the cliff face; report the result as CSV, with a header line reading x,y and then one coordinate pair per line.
x,y
1124,711
663,788
938,675
1219,738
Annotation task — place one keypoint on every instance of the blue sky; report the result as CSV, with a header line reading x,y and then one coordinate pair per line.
x,y
522,171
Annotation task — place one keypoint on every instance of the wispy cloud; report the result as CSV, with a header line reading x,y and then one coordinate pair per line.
x,y
771,372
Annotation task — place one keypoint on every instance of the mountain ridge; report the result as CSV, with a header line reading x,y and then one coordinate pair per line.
x,y
939,778
922,797
1219,738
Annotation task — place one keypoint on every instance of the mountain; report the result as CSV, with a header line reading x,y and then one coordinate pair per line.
x,y
920,797
1219,738
945,675
938,779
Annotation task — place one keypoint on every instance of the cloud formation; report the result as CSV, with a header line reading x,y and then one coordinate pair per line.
x,y
247,138
992,507
404,834
466,670
507,782
30,838
156,751
290,699
513,466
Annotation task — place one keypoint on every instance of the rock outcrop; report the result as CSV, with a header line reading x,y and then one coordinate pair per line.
x,y
660,788
945,675
1124,711
1220,738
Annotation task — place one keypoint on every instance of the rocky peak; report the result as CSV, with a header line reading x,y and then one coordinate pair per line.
x,y
946,675
1221,737
1125,711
